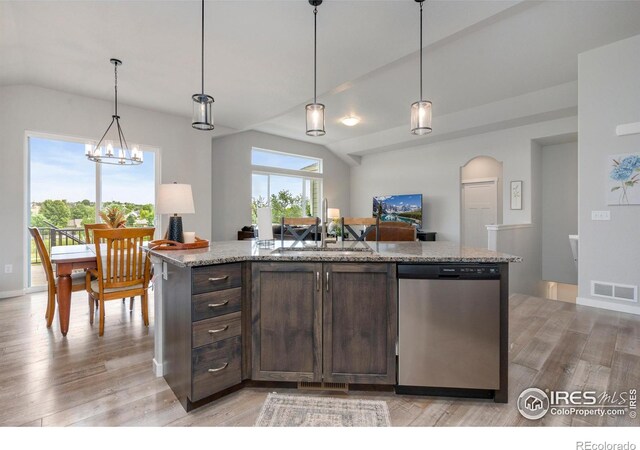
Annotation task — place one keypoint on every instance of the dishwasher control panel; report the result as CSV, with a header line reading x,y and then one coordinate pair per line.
x,y
456,270
449,271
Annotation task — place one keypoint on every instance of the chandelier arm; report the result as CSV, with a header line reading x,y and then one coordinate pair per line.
x,y
113,118
121,136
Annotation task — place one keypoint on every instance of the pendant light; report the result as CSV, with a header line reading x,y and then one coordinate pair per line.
x,y
202,103
421,110
315,110
107,151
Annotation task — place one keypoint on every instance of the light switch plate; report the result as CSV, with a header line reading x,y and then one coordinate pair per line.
x,y
600,215
8,268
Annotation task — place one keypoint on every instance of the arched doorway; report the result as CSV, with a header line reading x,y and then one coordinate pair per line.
x,y
480,199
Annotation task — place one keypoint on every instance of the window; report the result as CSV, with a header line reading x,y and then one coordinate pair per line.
x,y
67,191
290,184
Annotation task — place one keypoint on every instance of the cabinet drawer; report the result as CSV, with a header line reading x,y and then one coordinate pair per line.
x,y
216,367
216,278
213,304
216,329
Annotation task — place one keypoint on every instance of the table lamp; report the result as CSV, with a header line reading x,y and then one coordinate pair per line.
x,y
175,199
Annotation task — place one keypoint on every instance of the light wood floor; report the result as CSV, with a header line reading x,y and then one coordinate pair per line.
x,y
48,380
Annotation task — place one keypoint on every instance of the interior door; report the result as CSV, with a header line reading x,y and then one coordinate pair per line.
x,y
479,209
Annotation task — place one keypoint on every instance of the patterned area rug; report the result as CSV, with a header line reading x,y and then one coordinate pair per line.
x,y
302,411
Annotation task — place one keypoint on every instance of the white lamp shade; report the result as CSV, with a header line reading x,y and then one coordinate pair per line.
x,y
333,213
175,199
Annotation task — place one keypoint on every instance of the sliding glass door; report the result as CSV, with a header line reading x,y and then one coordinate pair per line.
x,y
67,191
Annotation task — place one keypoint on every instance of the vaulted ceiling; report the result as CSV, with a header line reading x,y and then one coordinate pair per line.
x,y
259,57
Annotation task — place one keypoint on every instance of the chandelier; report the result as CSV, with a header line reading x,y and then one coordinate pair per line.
x,y
114,151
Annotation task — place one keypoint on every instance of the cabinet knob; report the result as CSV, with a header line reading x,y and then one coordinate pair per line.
x,y
218,369
215,305
219,330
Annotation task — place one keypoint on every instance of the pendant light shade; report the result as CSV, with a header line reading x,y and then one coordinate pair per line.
x,y
202,112
315,110
421,117
315,119
421,110
202,103
112,147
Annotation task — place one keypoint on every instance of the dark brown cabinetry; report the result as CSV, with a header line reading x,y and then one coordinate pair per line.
x,y
286,321
324,322
203,323
359,323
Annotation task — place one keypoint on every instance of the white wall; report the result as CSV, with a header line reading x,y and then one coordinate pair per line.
x,y
434,171
559,211
231,178
522,240
609,95
185,156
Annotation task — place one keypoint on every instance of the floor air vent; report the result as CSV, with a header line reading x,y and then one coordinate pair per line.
x,y
322,386
613,291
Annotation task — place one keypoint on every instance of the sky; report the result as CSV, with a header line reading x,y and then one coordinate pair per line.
x,y
60,171
278,183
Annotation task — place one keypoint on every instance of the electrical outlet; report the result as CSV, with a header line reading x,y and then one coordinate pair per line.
x,y
8,268
600,215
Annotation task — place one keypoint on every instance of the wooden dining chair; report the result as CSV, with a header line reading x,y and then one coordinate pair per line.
x,y
124,270
88,238
77,279
88,230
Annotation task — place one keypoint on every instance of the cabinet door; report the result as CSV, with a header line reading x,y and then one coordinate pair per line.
x,y
360,323
287,321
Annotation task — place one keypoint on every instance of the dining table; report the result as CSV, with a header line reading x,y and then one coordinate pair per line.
x,y
68,258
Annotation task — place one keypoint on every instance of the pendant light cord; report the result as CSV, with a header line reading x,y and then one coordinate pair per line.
x,y
421,51
315,26
115,87
202,47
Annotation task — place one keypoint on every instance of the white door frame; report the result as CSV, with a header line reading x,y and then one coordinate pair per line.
x,y
493,180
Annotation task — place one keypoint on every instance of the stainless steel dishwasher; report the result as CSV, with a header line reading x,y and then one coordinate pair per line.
x,y
449,329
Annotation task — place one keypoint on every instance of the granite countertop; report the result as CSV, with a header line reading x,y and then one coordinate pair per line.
x,y
349,251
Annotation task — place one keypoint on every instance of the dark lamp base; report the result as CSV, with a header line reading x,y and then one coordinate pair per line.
x,y
174,233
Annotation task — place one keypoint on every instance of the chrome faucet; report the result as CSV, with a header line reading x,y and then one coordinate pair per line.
x,y
323,221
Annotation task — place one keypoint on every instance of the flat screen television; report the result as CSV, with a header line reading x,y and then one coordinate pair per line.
x,y
399,208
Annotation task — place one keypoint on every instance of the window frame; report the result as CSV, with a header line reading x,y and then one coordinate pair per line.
x,y
278,171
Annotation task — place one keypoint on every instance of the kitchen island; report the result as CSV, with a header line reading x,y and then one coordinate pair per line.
x,y
236,313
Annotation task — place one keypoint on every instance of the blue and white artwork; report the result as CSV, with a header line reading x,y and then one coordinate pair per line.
x,y
399,208
624,179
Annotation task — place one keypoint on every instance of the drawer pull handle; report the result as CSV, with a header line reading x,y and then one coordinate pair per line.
x,y
215,305
224,278
219,330
218,369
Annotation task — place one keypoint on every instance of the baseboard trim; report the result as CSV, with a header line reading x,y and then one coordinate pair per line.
x,y
9,294
602,304
157,368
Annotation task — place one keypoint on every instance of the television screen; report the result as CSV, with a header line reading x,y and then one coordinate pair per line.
x,y
399,208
